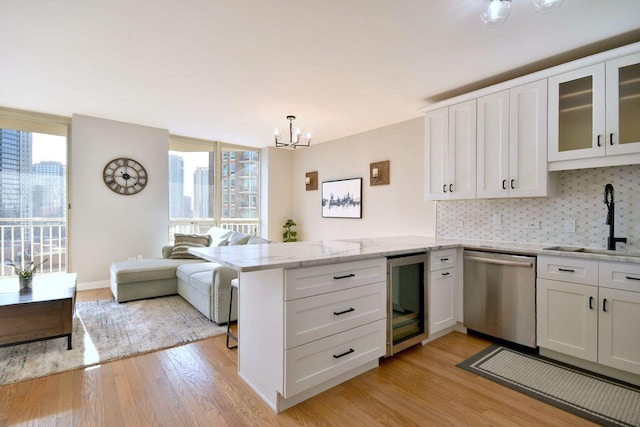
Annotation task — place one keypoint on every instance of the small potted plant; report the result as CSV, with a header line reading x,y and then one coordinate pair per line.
x,y
25,274
289,235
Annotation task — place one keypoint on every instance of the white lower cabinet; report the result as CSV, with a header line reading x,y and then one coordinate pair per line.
x,y
314,363
568,318
598,323
334,321
618,336
442,289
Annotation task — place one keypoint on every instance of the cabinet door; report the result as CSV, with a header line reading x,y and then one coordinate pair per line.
x,y
618,338
623,105
528,140
442,314
568,318
576,114
493,145
462,151
436,154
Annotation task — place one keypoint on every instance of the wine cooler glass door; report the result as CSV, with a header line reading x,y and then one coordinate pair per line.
x,y
407,296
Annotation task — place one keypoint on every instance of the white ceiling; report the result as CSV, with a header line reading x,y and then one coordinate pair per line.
x,y
232,70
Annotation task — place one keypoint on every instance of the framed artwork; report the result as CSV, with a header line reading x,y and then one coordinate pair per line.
x,y
342,198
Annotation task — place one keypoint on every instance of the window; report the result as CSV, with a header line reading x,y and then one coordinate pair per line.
x,y
33,190
202,186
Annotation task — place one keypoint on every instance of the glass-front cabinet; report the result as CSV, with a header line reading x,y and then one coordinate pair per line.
x,y
594,111
623,105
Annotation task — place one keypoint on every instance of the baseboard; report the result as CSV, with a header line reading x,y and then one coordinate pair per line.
x,y
458,327
85,286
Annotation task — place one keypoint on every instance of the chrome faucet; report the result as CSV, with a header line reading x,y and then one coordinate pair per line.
x,y
611,205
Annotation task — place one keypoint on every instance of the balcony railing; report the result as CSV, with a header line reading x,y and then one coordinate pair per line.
x,y
191,226
23,240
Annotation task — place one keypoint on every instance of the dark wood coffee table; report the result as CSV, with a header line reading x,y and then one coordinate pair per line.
x,y
42,313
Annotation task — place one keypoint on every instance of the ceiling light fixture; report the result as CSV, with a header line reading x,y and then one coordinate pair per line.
x,y
546,5
496,12
294,136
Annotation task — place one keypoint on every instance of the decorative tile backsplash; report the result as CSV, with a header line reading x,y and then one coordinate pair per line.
x,y
580,198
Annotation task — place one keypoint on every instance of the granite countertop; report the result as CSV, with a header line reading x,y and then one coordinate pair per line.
x,y
311,253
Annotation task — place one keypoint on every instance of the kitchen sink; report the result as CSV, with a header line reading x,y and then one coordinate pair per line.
x,y
592,251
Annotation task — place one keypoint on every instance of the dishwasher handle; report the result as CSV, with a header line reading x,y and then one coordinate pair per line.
x,y
499,261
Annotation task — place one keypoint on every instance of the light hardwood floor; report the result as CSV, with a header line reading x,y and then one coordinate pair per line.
x,y
198,385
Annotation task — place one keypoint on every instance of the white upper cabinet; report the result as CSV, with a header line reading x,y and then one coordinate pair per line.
x,y
512,142
450,152
593,112
623,105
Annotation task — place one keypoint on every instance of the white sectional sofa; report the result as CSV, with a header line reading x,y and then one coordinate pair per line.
x,y
205,285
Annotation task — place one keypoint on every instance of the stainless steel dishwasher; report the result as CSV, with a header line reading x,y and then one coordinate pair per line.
x,y
500,295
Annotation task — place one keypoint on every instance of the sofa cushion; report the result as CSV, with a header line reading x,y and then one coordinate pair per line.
x,y
145,269
182,243
202,281
185,271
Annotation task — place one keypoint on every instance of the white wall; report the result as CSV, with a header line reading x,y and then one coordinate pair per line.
x,y
105,226
276,188
395,209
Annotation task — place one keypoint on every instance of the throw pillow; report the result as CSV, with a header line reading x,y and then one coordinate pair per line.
x,y
218,236
256,240
182,243
238,239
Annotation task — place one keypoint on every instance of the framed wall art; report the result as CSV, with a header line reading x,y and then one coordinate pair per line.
x,y
342,198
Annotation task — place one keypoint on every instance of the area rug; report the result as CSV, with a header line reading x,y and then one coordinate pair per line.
x,y
106,330
599,399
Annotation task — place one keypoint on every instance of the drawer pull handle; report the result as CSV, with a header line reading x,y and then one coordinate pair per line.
x,y
346,276
610,139
632,278
599,145
604,305
349,310
504,184
446,274
444,259
338,356
567,270
590,303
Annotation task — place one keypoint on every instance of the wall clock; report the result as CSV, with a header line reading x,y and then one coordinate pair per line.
x,y
125,176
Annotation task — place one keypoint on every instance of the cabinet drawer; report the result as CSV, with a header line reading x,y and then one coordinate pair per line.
x,y
566,269
310,281
312,364
445,258
620,276
312,318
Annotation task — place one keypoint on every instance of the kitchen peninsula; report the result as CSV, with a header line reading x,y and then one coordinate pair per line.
x,y
313,314
288,350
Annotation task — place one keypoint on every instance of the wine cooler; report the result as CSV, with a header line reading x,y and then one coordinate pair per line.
x,y
407,321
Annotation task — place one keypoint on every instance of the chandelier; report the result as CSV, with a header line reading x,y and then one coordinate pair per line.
x,y
496,12
294,136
